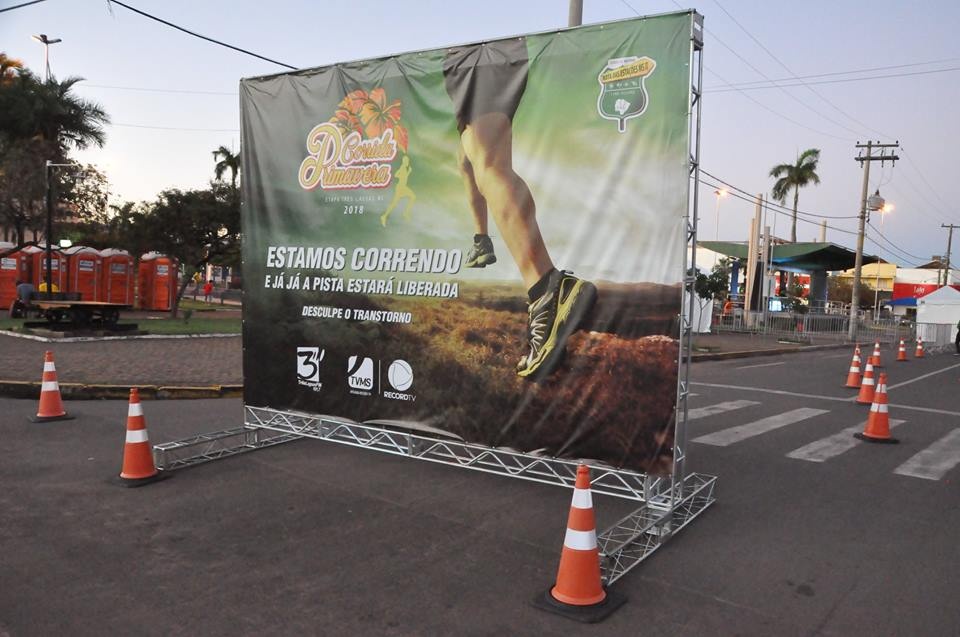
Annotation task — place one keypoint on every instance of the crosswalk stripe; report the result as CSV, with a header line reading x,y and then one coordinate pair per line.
x,y
719,408
934,461
826,448
742,432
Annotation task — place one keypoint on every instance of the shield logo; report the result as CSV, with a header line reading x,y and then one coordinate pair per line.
x,y
622,91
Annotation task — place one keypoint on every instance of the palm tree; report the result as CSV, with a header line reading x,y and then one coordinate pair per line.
x,y
795,176
230,161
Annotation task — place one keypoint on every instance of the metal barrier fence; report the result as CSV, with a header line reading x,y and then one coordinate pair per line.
x,y
815,327
937,337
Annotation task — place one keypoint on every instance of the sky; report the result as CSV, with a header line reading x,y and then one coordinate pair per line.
x,y
173,98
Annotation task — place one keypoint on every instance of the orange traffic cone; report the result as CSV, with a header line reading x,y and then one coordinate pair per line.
x,y
919,352
878,423
138,468
51,407
902,352
853,377
579,593
867,388
875,357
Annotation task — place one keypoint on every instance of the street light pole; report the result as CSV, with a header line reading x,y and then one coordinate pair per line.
x,y
858,262
48,182
46,42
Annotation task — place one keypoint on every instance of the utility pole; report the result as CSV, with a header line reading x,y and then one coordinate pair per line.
x,y
865,160
576,13
946,270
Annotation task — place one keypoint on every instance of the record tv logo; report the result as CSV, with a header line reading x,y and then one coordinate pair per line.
x,y
400,377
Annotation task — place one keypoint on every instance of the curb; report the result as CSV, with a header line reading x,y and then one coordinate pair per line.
x,y
80,391
81,339
720,356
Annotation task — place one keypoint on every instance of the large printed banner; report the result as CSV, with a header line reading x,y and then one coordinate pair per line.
x,y
484,241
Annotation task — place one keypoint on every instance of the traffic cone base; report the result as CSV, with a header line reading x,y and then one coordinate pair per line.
x,y
867,438
50,418
139,482
585,614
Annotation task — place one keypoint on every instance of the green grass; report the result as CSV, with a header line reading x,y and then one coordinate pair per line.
x,y
200,306
161,326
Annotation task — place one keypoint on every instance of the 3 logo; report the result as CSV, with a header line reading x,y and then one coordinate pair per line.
x,y
308,366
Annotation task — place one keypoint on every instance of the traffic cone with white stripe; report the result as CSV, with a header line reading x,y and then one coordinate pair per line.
x,y
867,387
919,352
138,468
902,352
875,357
579,593
878,423
853,377
51,406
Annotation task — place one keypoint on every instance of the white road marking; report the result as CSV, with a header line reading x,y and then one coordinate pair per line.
x,y
934,461
913,380
826,448
760,365
729,436
779,392
719,408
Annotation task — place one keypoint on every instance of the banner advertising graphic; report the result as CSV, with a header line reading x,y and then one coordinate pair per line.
x,y
486,240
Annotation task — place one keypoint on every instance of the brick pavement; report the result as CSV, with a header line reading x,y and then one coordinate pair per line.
x,y
166,361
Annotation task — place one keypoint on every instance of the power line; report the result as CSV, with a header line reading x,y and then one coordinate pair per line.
x,y
20,6
752,200
894,248
790,210
790,71
776,84
197,35
851,72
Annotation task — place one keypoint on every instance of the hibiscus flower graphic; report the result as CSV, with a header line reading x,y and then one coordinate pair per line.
x,y
370,114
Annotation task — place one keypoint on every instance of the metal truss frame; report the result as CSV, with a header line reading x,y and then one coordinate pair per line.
x,y
668,503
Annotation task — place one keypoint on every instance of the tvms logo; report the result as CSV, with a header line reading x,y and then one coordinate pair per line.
x,y
400,377
308,367
360,375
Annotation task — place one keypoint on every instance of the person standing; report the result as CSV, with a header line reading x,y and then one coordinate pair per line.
x,y
207,291
956,341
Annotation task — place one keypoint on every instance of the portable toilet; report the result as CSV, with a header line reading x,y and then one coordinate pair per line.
x,y
157,281
14,266
118,277
38,267
84,272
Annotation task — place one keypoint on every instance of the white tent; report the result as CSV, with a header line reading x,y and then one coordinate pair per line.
x,y
940,307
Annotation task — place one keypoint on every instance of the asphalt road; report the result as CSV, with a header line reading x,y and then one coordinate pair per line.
x,y
318,538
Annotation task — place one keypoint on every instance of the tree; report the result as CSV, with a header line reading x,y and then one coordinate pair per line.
x,y
795,176
196,227
9,67
228,161
40,122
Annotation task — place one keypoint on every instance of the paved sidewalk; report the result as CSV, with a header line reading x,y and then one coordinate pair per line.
x,y
156,361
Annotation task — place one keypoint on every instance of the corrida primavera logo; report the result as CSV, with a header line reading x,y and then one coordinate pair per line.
x,y
622,91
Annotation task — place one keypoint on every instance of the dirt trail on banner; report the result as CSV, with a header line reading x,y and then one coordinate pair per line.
x,y
612,397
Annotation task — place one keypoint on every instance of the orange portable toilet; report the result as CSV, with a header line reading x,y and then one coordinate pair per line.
x,y
118,278
14,266
38,267
83,272
157,281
